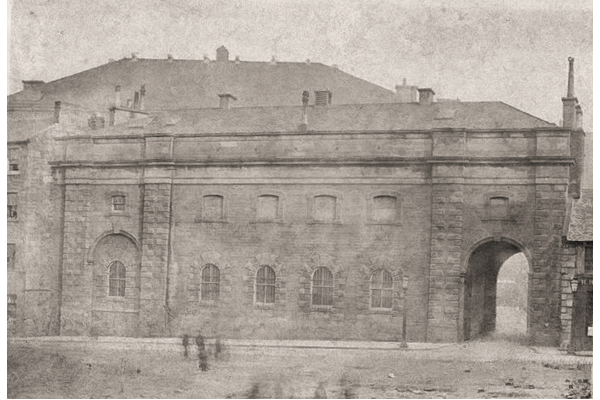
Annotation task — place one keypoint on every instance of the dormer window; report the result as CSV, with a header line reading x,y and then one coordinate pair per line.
x,y
118,203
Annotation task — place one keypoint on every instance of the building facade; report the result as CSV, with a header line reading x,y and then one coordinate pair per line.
x,y
302,222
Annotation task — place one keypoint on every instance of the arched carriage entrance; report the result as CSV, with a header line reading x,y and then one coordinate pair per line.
x,y
496,290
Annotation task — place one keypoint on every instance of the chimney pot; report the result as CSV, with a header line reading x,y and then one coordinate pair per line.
x,y
134,57
225,100
205,58
237,59
170,57
570,102
222,54
118,96
308,60
426,96
142,96
273,60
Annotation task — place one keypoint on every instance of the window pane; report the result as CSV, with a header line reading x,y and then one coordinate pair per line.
x,y
387,279
268,208
328,296
260,293
386,300
10,256
499,207
324,208
270,297
376,298
589,257
384,208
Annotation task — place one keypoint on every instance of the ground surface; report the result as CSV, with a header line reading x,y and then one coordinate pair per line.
x,y
471,370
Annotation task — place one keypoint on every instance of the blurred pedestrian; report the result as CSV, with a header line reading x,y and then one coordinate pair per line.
x,y
186,343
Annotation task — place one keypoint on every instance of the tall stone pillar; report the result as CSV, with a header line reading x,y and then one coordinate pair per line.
x,y
445,279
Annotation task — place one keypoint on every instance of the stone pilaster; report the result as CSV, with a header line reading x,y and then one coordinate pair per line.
x,y
545,310
445,282
155,251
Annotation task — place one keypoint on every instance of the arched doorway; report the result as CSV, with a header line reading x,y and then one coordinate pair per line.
x,y
496,287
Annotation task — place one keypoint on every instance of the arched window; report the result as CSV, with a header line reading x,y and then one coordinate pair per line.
x,y
382,289
322,287
116,279
265,285
211,281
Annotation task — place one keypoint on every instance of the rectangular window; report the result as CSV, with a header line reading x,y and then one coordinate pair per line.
x,y
589,257
10,256
499,207
268,207
212,208
324,208
11,209
118,203
384,209
13,166
12,306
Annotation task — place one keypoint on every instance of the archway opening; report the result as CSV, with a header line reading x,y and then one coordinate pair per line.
x,y
496,287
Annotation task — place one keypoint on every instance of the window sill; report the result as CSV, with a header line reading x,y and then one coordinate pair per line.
x,y
13,172
207,221
118,214
314,308
258,221
265,306
384,311
12,220
117,298
392,223
324,222
208,303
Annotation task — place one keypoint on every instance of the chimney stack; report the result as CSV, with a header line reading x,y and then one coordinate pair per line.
x,y
169,57
222,54
32,85
426,96
142,96
57,112
570,102
136,100
118,96
405,93
225,101
305,97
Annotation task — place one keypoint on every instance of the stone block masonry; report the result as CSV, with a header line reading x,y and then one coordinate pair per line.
x,y
154,312
445,263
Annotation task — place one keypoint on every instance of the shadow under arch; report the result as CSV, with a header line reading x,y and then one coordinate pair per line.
x,y
479,295
104,235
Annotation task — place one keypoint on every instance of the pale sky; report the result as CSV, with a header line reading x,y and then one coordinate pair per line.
x,y
493,50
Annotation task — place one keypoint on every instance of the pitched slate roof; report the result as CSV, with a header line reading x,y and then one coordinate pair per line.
x,y
346,118
581,219
176,84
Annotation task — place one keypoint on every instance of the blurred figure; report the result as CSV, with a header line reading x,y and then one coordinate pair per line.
x,y
321,393
186,343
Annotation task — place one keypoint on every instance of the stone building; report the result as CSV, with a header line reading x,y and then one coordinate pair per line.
x,y
303,221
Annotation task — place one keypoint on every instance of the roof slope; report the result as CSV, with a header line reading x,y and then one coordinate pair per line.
x,y
581,220
347,118
176,84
